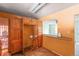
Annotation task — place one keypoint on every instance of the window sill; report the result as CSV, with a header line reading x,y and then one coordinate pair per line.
x,y
50,35
58,38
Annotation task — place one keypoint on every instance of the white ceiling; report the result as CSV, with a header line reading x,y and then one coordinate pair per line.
x,y
24,9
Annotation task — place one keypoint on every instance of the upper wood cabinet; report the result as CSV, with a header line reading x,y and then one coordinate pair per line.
x,y
26,20
30,21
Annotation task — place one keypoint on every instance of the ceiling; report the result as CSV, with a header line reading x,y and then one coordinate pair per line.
x,y
27,9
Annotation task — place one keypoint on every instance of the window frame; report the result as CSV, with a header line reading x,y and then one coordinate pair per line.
x,y
51,23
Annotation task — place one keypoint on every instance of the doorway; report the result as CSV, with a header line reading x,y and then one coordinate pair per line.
x,y
28,37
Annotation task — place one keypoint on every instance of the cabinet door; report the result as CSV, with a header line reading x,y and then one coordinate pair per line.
x,y
15,44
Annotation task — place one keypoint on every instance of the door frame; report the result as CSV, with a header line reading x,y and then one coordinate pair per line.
x,y
74,34
23,34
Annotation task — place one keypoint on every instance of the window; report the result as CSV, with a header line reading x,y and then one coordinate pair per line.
x,y
4,36
50,27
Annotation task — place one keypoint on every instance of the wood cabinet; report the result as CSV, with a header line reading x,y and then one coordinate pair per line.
x,y
15,35
14,31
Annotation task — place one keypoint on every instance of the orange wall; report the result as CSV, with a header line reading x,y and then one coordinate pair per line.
x,y
66,28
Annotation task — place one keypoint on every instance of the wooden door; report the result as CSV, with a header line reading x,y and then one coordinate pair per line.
x,y
28,32
15,43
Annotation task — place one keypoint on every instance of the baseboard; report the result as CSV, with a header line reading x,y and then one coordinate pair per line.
x,y
16,53
54,52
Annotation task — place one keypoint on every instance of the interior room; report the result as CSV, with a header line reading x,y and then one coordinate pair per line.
x,y
39,29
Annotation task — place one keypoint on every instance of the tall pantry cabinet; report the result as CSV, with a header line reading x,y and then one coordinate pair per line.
x,y
14,32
